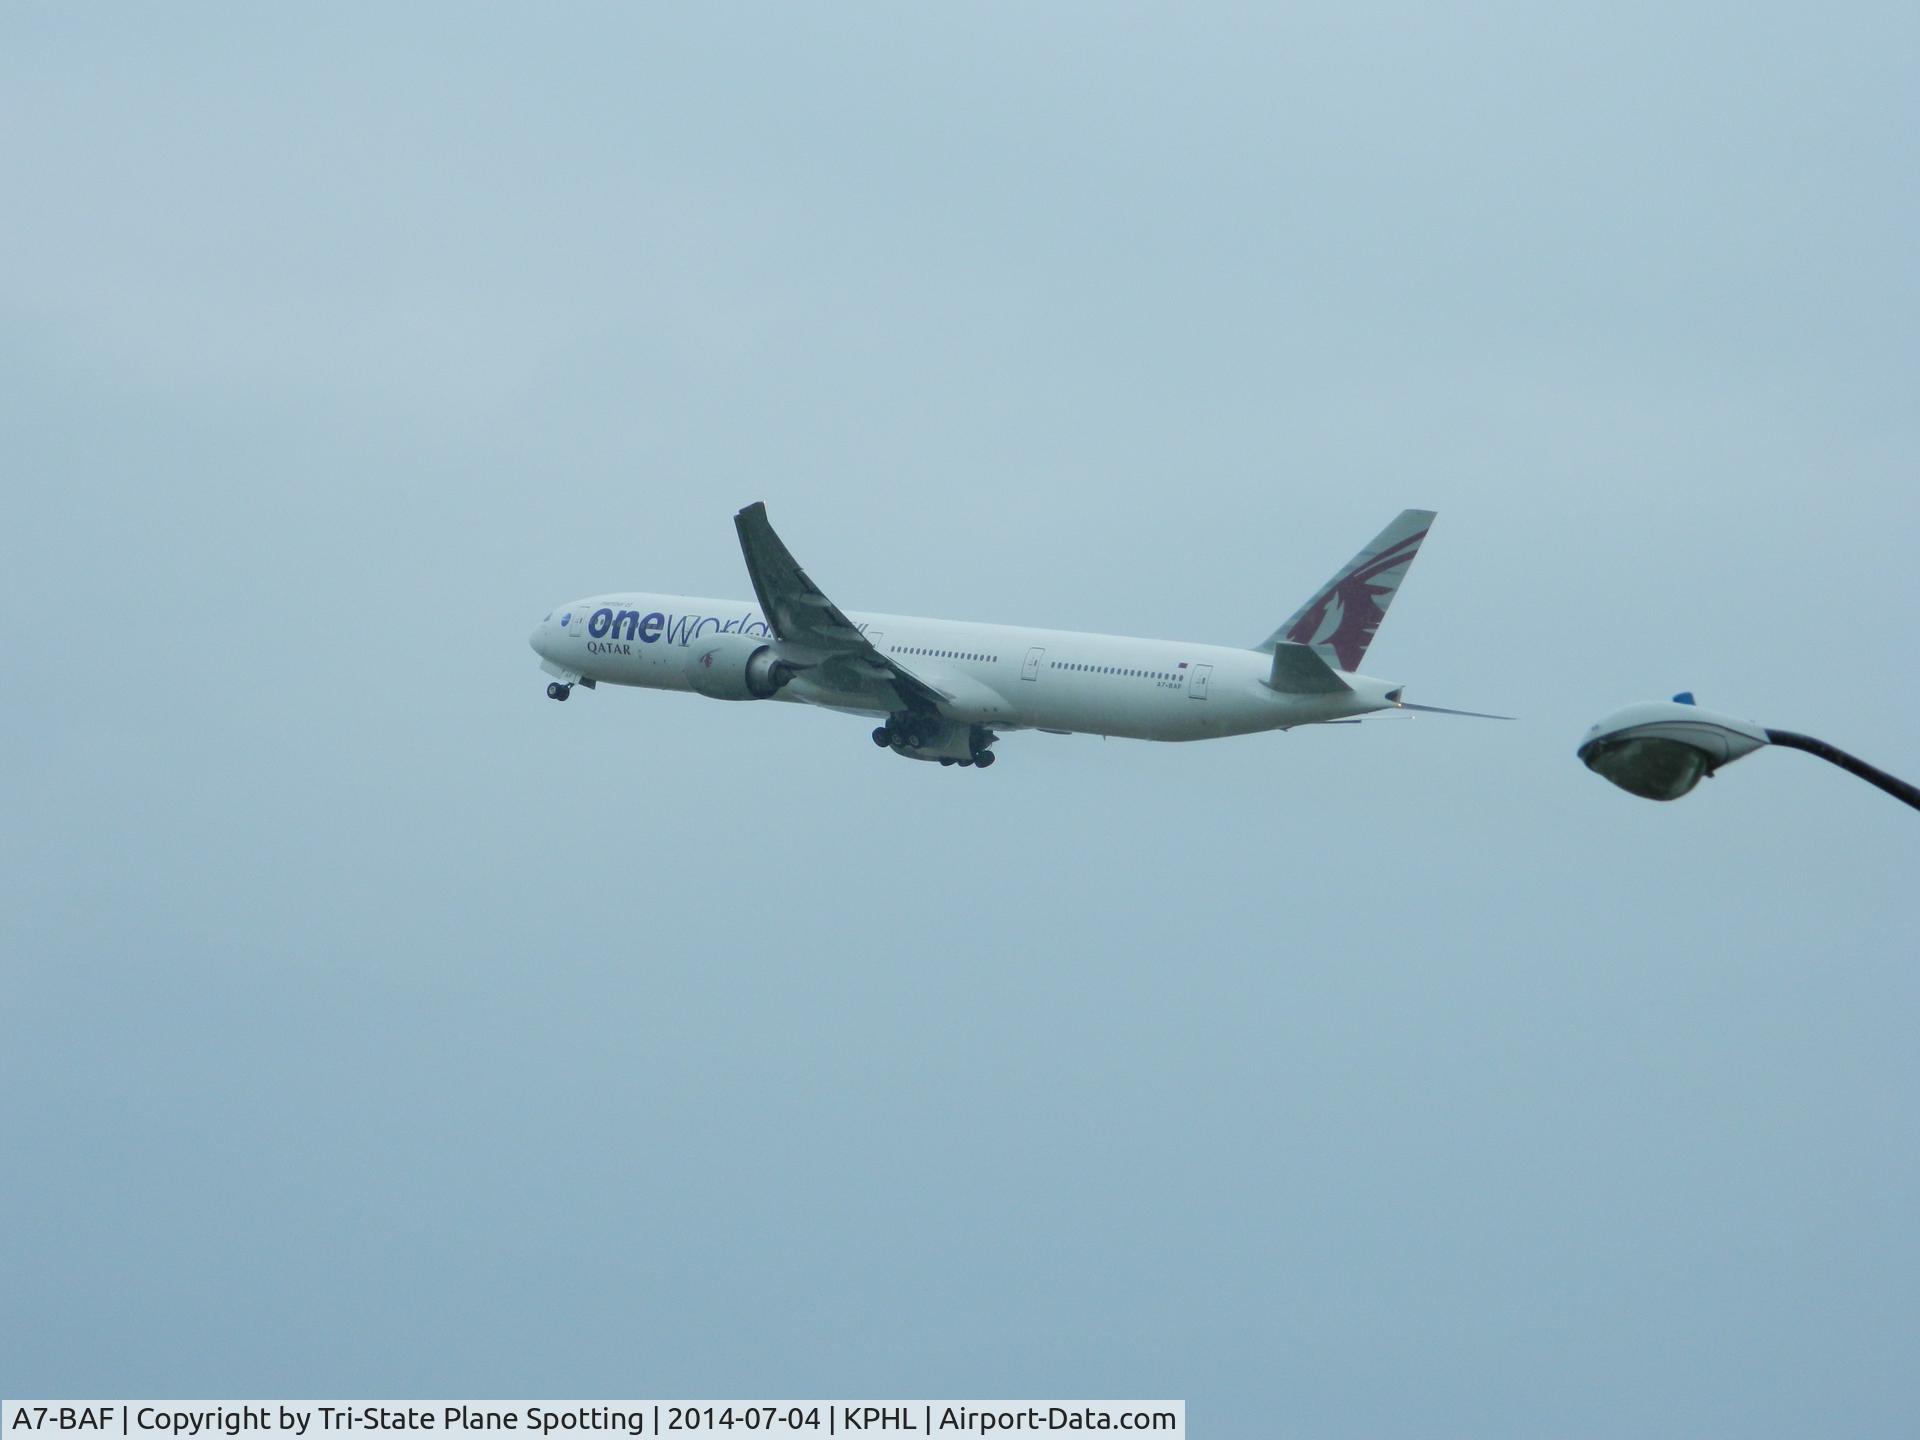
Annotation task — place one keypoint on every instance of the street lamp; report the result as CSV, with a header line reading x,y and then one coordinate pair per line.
x,y
1660,750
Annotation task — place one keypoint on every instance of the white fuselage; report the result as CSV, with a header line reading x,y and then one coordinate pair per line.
x,y
1001,676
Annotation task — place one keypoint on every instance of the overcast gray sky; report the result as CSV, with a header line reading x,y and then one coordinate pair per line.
x,y
376,1027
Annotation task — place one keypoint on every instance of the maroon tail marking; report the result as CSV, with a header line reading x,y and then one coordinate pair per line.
x,y
1360,610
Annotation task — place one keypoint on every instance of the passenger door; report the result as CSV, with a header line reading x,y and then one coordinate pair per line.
x,y
1031,670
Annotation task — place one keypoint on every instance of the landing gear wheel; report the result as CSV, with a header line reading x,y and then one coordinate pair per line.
x,y
964,763
984,759
882,737
557,691
944,762
912,739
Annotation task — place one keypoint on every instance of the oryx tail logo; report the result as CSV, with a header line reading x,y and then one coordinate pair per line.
x,y
1343,617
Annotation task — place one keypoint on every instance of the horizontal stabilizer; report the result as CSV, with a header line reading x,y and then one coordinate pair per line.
x,y
1299,670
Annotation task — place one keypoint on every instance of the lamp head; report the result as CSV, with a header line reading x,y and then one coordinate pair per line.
x,y
1660,750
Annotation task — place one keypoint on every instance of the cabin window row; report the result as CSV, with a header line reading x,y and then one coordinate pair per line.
x,y
945,654
1122,671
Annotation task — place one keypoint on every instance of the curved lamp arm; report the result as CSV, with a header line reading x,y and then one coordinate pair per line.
x,y
1852,764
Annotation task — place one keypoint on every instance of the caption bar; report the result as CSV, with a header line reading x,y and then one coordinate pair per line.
x,y
577,1419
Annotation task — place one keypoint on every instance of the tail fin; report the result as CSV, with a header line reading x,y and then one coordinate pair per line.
x,y
1339,621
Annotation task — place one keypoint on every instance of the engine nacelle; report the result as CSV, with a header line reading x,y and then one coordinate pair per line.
x,y
735,667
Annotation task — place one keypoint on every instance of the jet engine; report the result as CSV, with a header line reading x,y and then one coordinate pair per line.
x,y
735,667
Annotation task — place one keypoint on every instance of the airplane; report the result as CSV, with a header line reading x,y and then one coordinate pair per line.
x,y
947,690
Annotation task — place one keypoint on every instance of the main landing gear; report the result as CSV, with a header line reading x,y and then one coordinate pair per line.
x,y
557,691
919,739
904,736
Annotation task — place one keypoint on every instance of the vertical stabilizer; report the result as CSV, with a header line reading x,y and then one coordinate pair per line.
x,y
1339,621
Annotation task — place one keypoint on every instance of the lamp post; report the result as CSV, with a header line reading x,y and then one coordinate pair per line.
x,y
1660,750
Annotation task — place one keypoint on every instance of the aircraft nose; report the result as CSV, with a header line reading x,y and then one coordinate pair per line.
x,y
539,634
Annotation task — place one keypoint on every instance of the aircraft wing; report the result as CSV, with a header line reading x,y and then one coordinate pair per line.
x,y
814,632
